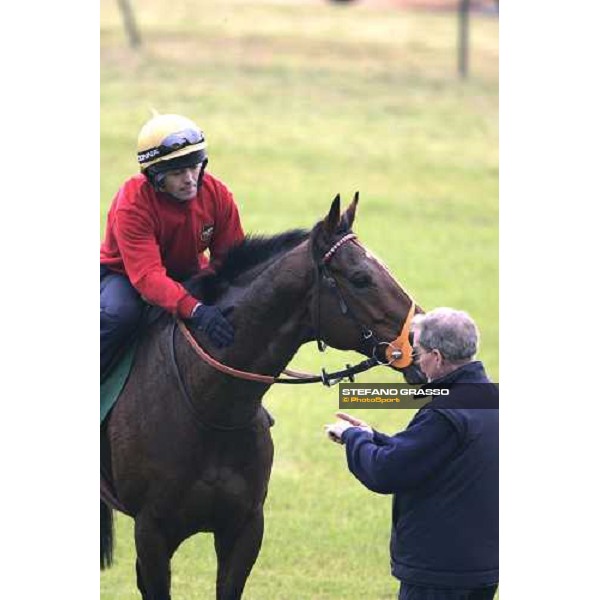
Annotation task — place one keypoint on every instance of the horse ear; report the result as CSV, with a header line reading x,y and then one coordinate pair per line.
x,y
350,212
333,218
324,230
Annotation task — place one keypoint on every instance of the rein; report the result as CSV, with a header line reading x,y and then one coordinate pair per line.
x,y
398,352
200,420
327,379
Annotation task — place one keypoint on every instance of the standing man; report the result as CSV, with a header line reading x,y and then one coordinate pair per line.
x,y
159,226
442,470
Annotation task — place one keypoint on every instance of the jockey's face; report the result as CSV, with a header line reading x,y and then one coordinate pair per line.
x,y
182,183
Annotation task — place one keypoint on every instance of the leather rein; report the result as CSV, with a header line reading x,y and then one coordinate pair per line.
x,y
398,352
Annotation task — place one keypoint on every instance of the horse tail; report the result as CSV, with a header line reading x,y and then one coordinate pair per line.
x,y
107,531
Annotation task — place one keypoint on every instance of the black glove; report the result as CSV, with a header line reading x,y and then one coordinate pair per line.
x,y
211,320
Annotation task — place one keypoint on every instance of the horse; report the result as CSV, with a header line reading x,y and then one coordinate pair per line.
x,y
187,448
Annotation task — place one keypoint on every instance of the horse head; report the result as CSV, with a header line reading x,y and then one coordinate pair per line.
x,y
356,303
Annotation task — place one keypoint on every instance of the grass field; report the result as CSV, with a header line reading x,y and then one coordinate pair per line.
x,y
300,101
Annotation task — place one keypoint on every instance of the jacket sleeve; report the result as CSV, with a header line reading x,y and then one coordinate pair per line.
x,y
393,464
141,257
228,226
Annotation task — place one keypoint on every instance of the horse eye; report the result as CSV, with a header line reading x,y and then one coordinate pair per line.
x,y
361,281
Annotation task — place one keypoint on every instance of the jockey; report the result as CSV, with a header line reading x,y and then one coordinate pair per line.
x,y
158,228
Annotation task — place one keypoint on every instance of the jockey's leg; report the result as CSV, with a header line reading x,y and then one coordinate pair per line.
x,y
121,308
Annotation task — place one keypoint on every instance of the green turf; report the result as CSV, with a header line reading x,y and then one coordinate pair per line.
x,y
300,101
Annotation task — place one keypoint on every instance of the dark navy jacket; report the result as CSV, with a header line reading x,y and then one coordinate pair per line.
x,y
443,472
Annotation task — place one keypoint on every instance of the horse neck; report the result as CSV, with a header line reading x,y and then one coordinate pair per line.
x,y
270,317
271,313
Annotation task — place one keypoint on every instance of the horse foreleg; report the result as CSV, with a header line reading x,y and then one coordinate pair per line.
x,y
153,561
236,555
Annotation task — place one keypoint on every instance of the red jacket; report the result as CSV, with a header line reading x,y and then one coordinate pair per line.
x,y
157,241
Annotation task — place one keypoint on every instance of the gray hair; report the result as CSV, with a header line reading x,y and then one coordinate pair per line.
x,y
452,332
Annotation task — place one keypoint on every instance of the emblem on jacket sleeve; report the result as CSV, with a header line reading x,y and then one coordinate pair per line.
x,y
207,232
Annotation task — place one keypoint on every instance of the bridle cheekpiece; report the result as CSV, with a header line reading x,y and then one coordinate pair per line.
x,y
399,352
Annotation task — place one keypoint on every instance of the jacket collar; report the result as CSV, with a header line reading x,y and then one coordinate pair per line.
x,y
472,372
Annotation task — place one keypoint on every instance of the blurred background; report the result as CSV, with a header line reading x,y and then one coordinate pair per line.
x,y
300,100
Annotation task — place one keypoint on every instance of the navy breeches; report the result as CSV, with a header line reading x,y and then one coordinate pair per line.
x,y
121,309
416,592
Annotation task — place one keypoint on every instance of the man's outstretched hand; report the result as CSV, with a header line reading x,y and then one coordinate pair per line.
x,y
345,421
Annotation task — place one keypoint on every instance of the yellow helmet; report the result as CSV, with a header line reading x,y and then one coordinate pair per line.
x,y
165,137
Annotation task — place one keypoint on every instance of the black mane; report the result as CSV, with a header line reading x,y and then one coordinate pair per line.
x,y
251,251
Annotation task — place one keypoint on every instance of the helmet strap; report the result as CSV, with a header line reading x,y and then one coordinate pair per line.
x,y
201,176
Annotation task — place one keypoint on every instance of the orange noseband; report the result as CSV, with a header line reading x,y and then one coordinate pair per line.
x,y
399,352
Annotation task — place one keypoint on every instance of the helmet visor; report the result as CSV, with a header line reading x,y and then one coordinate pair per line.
x,y
172,143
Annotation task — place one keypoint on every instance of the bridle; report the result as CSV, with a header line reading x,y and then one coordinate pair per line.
x,y
323,274
398,353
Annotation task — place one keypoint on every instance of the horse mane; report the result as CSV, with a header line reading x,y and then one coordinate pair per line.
x,y
253,250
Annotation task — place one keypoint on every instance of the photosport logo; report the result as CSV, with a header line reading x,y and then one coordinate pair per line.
x,y
404,395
